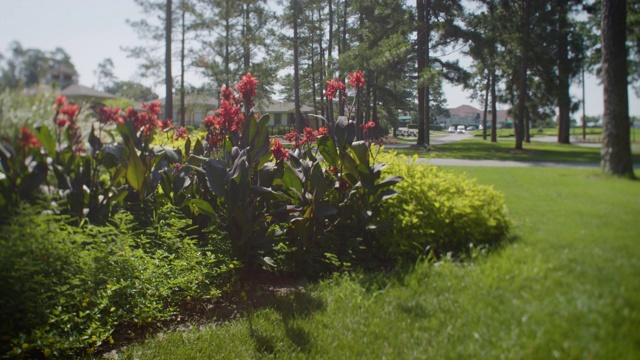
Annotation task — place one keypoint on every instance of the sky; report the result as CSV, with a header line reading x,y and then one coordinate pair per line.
x,y
92,30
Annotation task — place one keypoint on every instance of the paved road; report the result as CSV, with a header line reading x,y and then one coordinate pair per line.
x,y
436,140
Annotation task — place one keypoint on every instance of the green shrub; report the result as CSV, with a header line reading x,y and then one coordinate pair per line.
x,y
437,211
66,288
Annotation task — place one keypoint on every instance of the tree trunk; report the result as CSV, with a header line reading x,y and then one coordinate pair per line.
x,y
246,49
182,45
329,55
564,68
486,108
427,64
421,64
494,108
377,131
527,126
522,80
341,101
168,81
616,146
227,40
296,69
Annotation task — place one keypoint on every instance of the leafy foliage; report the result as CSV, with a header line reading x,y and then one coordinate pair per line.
x,y
438,212
67,287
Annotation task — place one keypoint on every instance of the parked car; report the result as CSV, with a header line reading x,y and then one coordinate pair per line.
x,y
452,129
461,129
471,128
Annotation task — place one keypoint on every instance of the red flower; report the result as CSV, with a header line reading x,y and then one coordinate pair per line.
x,y
227,94
247,89
131,114
334,86
309,135
230,118
71,111
278,151
108,115
62,122
214,139
365,127
356,79
293,136
153,109
164,125
61,100
27,139
211,121
180,133
322,131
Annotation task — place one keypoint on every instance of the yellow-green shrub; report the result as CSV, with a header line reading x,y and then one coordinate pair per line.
x,y
438,211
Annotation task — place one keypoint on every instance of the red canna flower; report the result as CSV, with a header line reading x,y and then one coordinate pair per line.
x,y
333,86
247,89
211,121
214,139
71,111
356,79
28,139
294,138
61,100
227,94
278,151
230,118
164,125
322,131
309,135
153,109
62,122
180,133
108,115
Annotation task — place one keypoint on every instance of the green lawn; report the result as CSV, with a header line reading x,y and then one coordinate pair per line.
x,y
567,287
503,150
576,132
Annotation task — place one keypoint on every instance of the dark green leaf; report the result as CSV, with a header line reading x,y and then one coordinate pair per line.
x,y
216,174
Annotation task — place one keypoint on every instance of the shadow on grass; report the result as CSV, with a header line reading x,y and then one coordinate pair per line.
x,y
291,306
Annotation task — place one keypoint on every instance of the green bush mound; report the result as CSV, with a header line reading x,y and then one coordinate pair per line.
x,y
438,212
67,287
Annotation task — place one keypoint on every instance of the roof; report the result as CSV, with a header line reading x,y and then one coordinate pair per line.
x,y
75,91
464,111
284,107
194,99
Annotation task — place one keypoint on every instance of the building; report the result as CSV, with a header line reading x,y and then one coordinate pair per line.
x,y
282,113
197,107
81,93
468,115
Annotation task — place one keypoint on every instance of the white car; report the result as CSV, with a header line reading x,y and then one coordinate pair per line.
x,y
452,129
461,129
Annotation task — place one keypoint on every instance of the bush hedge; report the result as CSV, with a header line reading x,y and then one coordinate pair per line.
x,y
436,211
67,287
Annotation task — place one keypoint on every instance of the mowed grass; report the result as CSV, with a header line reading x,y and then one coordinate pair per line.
x,y
567,287
476,149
